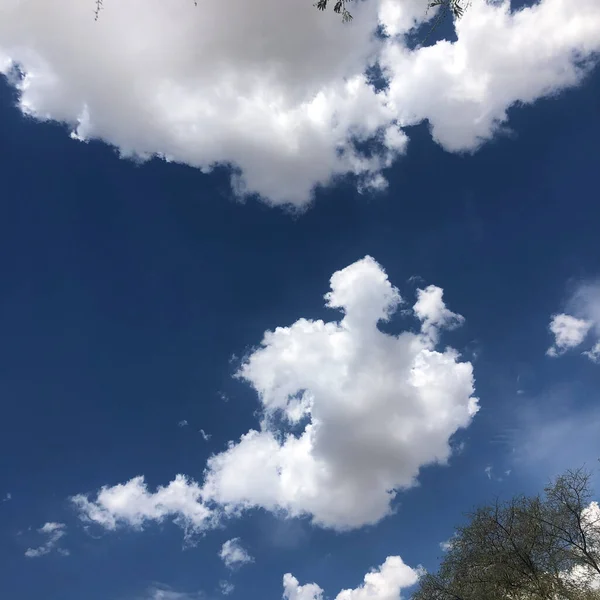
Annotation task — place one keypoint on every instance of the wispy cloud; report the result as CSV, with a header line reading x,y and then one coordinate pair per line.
x,y
53,533
234,555
226,587
557,432
162,592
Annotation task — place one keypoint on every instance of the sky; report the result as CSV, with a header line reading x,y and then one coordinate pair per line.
x,y
282,298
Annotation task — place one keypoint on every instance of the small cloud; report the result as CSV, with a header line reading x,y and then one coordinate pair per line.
x,y
459,448
182,423
205,436
416,279
490,475
581,322
226,587
447,545
234,555
161,592
7,497
593,353
53,532
569,332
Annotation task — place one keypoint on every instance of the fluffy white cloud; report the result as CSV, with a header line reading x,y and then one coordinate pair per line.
x,y
500,58
278,89
234,555
384,583
53,532
133,505
350,416
571,330
568,333
350,413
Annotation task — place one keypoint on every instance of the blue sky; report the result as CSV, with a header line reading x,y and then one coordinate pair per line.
x,y
132,292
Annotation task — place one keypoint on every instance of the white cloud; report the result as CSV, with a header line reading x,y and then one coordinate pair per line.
x,y
160,592
278,89
374,408
205,436
292,590
350,416
182,423
384,583
593,353
131,504
53,532
568,333
432,311
488,471
234,555
447,544
7,497
583,318
226,587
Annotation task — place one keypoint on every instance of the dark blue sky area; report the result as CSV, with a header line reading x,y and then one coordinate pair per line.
x,y
126,289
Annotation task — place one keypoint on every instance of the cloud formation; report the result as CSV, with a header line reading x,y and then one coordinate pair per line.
x,y
350,414
384,583
234,555
278,90
226,587
160,592
53,532
571,330
131,504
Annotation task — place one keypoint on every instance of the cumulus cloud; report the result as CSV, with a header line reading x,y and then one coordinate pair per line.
x,y
571,329
367,409
384,583
278,90
205,436
133,505
234,555
350,414
53,532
